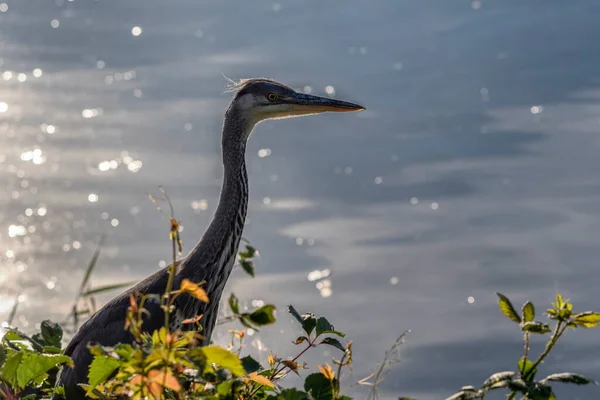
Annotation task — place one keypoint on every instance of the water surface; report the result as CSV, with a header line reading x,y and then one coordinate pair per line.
x,y
473,170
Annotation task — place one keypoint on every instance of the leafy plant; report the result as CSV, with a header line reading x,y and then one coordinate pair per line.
x,y
523,381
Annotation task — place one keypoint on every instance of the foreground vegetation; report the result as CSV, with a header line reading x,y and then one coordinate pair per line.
x,y
172,365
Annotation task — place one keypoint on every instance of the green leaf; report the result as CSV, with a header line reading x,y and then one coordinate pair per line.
x,y
100,370
248,267
569,377
250,252
528,312
323,326
2,355
197,357
52,333
333,342
224,359
318,387
498,378
588,319
250,364
263,316
10,367
507,308
308,323
535,327
295,314
525,367
518,385
35,366
560,302
224,388
234,304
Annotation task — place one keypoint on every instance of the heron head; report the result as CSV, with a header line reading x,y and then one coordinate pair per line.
x,y
261,99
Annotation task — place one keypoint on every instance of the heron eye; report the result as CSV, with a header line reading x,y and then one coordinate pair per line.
x,y
272,97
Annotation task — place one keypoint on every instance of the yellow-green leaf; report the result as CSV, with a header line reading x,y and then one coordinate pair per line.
x,y
100,370
528,312
507,308
224,359
588,319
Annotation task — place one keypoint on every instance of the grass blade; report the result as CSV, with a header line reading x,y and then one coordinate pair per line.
x,y
90,268
107,288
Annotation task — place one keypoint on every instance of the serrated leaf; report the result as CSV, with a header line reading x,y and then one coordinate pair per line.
x,y
588,319
496,378
10,367
528,312
535,327
100,370
318,387
224,359
333,342
34,367
250,364
507,308
263,316
569,377
323,326
193,290
52,333
526,369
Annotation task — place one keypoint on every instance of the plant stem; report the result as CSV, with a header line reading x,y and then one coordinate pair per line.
x,y
525,354
340,365
555,336
172,267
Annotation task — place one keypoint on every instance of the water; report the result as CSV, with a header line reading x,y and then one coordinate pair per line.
x,y
473,170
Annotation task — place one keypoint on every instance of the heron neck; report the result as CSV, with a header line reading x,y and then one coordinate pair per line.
x,y
214,255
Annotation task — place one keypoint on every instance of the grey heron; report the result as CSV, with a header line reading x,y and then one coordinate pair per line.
x,y
213,257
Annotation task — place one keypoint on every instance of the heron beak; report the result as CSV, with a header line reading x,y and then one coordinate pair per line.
x,y
309,104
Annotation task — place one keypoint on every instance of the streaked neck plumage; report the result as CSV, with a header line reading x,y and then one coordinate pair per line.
x,y
220,241
212,258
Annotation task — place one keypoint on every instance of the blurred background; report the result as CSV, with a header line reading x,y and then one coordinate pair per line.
x,y
474,169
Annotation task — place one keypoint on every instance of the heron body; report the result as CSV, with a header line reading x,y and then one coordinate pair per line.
x,y
213,257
